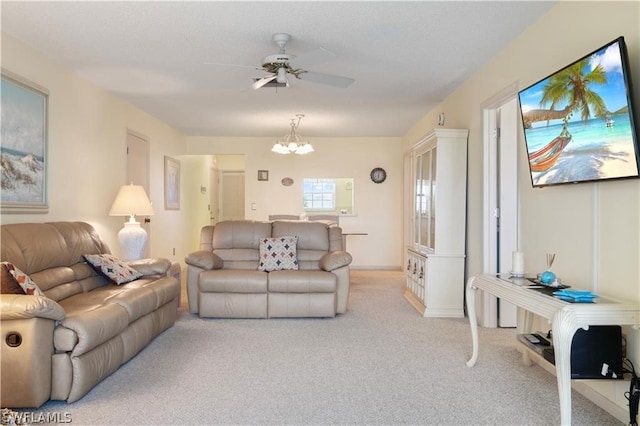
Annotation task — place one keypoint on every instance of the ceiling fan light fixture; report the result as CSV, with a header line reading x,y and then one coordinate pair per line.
x,y
282,75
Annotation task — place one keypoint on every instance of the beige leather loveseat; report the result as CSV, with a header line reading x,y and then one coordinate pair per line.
x,y
60,345
228,277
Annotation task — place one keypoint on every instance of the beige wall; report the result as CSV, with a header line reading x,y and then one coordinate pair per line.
x,y
196,202
87,140
195,176
593,228
377,207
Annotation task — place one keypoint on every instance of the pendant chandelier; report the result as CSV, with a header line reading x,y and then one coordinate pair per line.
x,y
292,144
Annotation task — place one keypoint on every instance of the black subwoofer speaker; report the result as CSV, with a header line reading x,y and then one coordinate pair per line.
x,y
591,349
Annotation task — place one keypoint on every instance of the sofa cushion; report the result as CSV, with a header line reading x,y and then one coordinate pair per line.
x,y
156,266
64,243
165,289
278,254
240,234
113,268
137,301
232,281
311,235
86,327
302,282
313,240
9,283
204,259
60,282
239,258
27,284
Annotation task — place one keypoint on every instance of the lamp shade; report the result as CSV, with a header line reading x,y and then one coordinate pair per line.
x,y
131,200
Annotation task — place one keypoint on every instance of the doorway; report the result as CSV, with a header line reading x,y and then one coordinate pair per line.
x,y
500,199
214,195
232,195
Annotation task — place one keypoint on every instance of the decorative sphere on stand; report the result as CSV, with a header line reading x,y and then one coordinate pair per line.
x,y
547,277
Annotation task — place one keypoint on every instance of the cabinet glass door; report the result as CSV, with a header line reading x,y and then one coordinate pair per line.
x,y
417,203
425,208
432,203
424,201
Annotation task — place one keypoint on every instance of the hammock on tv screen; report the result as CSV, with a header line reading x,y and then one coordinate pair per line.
x,y
544,158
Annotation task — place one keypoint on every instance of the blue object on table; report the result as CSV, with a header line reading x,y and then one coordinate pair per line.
x,y
547,277
575,296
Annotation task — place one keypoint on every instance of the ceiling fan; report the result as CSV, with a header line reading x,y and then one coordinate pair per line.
x,y
280,65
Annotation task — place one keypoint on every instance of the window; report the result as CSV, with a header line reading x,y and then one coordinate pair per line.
x,y
319,194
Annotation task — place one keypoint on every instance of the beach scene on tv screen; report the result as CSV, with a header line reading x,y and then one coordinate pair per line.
x,y
577,123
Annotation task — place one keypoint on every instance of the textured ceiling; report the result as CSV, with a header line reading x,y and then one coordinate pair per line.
x,y
167,58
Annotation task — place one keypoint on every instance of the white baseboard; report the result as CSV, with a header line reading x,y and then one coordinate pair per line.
x,y
376,267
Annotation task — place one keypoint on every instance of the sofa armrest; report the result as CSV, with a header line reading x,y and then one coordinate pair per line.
x,y
152,266
334,260
204,259
19,306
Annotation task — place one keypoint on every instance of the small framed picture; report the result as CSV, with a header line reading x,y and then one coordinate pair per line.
x,y
263,174
171,183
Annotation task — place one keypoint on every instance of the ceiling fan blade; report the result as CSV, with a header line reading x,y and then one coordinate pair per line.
x,y
313,58
233,65
328,79
258,84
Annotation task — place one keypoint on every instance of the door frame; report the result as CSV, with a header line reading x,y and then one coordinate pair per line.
x,y
489,309
214,195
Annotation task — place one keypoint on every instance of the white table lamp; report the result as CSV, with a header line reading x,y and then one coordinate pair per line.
x,y
132,200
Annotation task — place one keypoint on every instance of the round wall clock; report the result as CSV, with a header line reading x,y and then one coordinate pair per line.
x,y
378,175
287,181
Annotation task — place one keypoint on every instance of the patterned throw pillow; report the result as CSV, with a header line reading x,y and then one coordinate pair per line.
x,y
278,253
27,284
9,283
112,267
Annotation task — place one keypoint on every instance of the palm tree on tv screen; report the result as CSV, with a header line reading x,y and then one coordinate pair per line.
x,y
571,86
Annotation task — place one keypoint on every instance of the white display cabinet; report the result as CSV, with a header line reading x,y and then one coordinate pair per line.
x,y
435,261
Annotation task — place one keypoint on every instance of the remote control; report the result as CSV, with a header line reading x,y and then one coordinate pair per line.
x,y
542,340
532,339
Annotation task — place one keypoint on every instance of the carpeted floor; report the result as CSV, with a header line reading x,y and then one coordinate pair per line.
x,y
381,363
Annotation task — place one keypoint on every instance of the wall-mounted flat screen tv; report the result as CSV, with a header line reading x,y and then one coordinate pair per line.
x,y
579,123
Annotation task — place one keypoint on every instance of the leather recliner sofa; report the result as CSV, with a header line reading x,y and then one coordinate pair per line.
x,y
60,345
224,278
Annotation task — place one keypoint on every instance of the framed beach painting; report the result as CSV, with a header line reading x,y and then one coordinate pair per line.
x,y
171,183
23,145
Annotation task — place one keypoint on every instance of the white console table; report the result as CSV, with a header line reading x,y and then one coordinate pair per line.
x,y
565,318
